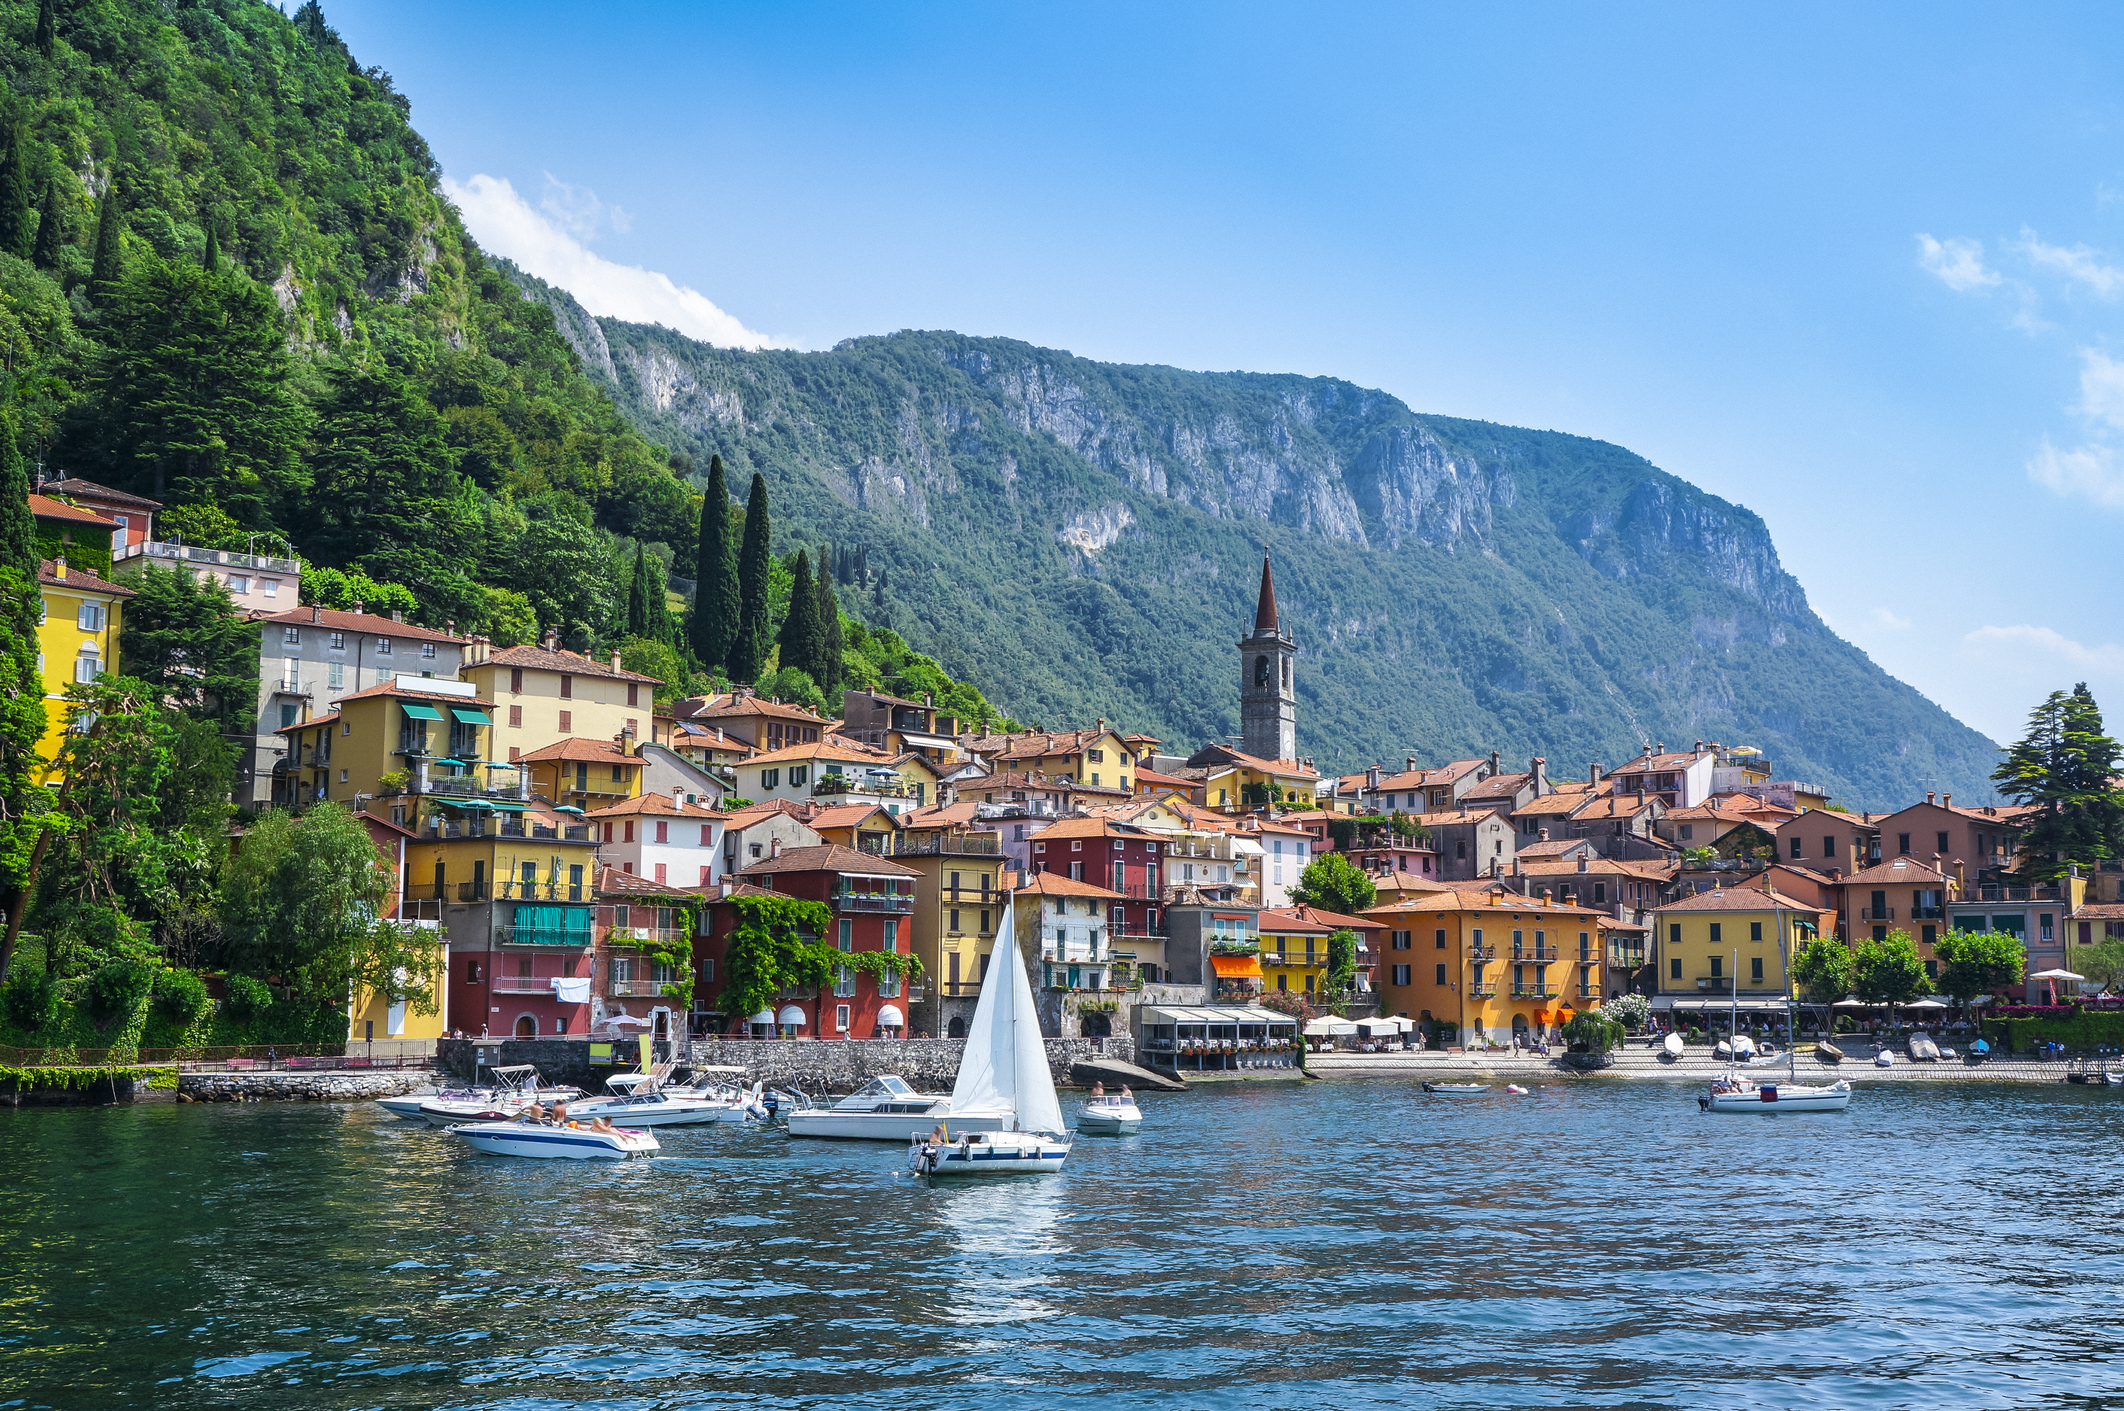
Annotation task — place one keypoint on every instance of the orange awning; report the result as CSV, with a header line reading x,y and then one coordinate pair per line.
x,y
1236,967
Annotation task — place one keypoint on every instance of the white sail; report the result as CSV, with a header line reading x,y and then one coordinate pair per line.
x,y
1004,1067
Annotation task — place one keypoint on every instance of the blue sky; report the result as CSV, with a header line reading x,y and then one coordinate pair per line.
x,y
1856,268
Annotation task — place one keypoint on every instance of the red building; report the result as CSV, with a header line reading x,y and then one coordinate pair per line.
x,y
871,901
1122,858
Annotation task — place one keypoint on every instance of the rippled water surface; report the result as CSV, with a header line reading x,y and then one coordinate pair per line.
x,y
1341,1244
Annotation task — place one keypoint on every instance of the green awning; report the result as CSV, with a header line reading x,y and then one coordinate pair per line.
x,y
470,803
509,807
502,764
471,716
420,712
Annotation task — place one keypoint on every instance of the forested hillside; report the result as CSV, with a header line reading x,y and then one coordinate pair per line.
x,y
1086,537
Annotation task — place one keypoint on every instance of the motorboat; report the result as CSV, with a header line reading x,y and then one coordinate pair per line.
x,y
884,1110
1921,1047
1109,1115
1672,1046
723,1086
1454,1089
2112,1077
511,1079
517,1089
1884,1059
639,1100
1828,1052
1003,1076
525,1137
1733,1093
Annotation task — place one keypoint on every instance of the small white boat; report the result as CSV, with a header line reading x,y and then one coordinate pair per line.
x,y
1672,1045
885,1109
1456,1088
2112,1077
1002,1077
1109,1116
639,1101
543,1139
732,1101
1922,1049
1884,1059
1737,1094
515,1088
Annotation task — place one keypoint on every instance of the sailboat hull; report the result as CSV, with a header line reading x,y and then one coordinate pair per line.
x,y
995,1154
1772,1098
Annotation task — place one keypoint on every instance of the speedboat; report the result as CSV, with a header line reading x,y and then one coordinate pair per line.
x,y
1733,1093
733,1103
885,1110
515,1088
2112,1077
1922,1048
1109,1116
640,1101
1456,1088
543,1139
1003,1078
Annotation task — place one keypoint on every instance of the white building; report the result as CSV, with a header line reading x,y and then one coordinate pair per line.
x,y
660,838
1065,922
1285,851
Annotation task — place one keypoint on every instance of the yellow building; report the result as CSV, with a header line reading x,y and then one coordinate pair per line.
x,y
77,639
413,741
1236,782
1489,962
586,774
543,695
530,850
1717,947
375,1017
1294,947
959,895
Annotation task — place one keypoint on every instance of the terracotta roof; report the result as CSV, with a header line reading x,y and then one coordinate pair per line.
x,y
1732,899
567,663
1814,816
1141,740
848,815
2100,911
1462,897
1089,828
1054,884
311,724
2005,815
1902,869
1734,808
1314,918
392,688
762,808
576,749
662,804
48,574
83,489
1034,744
1058,783
1168,781
1414,778
714,707
1497,786
362,624
941,815
823,749
1596,867
1268,766
1551,847
617,881
1562,801
828,857
45,507
1447,817
1618,806
1671,762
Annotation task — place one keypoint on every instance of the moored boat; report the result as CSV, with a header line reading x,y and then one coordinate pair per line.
x,y
1736,1094
524,1137
1108,1115
885,1109
1454,1089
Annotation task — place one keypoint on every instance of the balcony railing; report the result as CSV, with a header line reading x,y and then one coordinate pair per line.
x,y
634,989
1992,891
1482,952
1483,991
959,845
1718,984
1534,992
469,787
870,901
643,935
540,936
1876,913
1537,954
833,784
192,553
472,891
1626,959
522,984
508,890
1926,913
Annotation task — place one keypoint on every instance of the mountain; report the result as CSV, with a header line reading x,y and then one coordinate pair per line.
x,y
1084,540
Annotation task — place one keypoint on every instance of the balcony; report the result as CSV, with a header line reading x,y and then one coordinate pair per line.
x,y
633,989
1626,959
835,785
1534,992
871,901
541,936
1716,984
508,890
173,551
662,936
1927,913
1539,955
1482,991
1482,952
1992,891
960,845
294,686
1876,913
471,891
522,984
465,786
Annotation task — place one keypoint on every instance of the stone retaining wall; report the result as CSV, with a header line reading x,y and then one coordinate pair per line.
x,y
813,1065
300,1087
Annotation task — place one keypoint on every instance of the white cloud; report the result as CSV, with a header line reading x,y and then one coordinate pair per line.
x,y
2092,472
574,209
2076,262
1882,617
1958,263
2101,387
2024,641
546,243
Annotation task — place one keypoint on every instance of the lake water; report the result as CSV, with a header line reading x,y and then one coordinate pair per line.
x,y
1349,1243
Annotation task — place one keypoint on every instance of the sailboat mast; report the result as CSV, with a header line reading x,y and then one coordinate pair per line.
x,y
1784,960
1733,1020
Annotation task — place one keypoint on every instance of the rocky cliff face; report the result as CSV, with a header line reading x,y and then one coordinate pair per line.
x,y
1082,537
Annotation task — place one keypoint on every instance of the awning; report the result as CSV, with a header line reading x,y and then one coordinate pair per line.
x,y
1375,1026
765,1016
1236,967
1327,1026
1237,1014
471,715
454,763
567,808
420,712
889,1017
929,742
470,803
502,764
1662,1003
792,1017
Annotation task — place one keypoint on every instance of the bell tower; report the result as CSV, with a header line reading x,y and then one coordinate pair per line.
x,y
1268,706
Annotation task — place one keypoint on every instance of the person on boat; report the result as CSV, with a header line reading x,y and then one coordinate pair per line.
x,y
1098,1091
939,1136
603,1124
1127,1096
535,1113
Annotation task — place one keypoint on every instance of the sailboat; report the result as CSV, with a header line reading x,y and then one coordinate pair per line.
x,y
1003,1080
1734,1093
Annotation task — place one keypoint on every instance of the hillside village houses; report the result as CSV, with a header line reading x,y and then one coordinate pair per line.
x,y
529,796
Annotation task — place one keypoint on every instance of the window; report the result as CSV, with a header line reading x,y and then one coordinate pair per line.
x,y
770,778
1688,831
840,1016
1441,972
1718,966
567,688
337,641
1755,968
663,833
1674,934
634,693
707,835
427,650
660,872
269,586
1401,974
383,646
90,617
799,774
707,875
1716,933
1600,894
1828,847
628,834
292,636
1902,842
346,727
1460,848
87,667
1755,930
619,773
516,717
516,680
336,675
239,583
1674,968
633,726
287,715
1796,853
567,721
1942,845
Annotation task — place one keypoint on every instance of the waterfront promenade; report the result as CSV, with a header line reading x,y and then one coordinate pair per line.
x,y
1697,1065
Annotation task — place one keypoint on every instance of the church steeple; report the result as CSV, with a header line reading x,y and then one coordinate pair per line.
x,y
1268,704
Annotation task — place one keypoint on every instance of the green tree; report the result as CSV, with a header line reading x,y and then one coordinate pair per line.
x,y
210,259
47,26
775,946
185,638
24,801
638,596
713,627
1333,883
51,228
1888,971
2102,962
799,636
1341,961
2065,767
18,212
509,620
1823,970
301,901
652,657
381,471
1976,963
831,644
748,650
107,267
188,402
18,527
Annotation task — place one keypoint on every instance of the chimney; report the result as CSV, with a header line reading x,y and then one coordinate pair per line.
x,y
59,568
450,627
1371,777
726,886
1519,868
398,614
1582,864
1946,800
1928,796
361,610
1411,762
1540,770
1593,774
774,847
316,613
1959,881
1699,748
615,659
1493,761
1545,834
550,639
1102,724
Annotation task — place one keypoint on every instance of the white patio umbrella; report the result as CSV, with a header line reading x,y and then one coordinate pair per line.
x,y
1926,1003
1327,1026
2055,975
1850,1002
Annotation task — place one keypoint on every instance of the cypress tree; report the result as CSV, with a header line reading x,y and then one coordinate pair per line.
x,y
47,26
18,212
107,271
800,629
51,228
18,528
829,638
715,594
638,596
212,259
748,646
